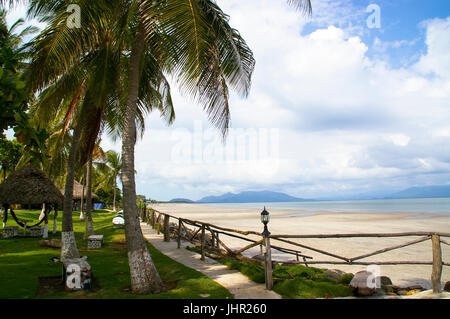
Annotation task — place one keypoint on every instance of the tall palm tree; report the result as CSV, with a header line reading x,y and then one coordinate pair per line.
x,y
96,154
114,162
84,67
206,55
189,39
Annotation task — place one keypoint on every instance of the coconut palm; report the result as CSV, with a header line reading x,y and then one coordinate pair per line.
x,y
114,162
82,69
190,40
206,56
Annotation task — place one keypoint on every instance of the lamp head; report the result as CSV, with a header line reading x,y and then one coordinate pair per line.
x,y
265,216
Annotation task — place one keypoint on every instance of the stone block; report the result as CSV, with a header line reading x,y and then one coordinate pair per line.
x,y
10,231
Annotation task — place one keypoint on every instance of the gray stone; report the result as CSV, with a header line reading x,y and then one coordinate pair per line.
x,y
360,285
334,274
53,243
36,231
10,231
384,281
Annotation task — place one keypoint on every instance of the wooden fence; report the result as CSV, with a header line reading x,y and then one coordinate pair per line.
x,y
206,237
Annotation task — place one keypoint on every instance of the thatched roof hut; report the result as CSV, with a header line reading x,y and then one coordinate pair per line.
x,y
78,189
29,186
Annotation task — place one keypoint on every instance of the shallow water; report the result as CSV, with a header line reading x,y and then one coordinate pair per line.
x,y
439,206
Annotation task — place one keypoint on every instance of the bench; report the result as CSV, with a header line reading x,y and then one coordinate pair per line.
x,y
95,241
25,222
10,231
37,231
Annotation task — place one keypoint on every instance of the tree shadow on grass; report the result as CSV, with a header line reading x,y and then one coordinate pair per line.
x,y
55,284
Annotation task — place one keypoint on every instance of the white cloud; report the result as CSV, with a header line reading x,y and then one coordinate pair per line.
x,y
437,59
347,122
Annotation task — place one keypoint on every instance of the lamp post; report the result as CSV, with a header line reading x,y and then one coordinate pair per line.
x,y
265,217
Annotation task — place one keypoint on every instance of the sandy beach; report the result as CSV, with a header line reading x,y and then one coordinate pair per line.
x,y
282,222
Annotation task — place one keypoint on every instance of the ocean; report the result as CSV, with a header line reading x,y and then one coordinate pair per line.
x,y
439,206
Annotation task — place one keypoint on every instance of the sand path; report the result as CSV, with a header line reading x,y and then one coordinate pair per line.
x,y
236,283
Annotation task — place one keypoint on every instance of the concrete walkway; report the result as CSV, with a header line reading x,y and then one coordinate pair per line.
x,y
236,283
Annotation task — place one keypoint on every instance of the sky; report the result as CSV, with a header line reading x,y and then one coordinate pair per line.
x,y
351,100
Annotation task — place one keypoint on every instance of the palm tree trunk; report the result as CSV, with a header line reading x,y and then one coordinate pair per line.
x,y
144,276
69,246
89,197
82,217
42,212
114,193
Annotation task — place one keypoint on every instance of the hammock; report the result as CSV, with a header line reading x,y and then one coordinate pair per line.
x,y
29,226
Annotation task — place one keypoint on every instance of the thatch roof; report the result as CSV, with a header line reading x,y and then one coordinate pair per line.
x,y
29,186
78,189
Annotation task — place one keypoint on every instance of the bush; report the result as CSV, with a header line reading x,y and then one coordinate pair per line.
x,y
346,278
300,288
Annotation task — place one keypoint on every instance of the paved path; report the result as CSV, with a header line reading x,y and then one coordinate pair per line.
x,y
236,283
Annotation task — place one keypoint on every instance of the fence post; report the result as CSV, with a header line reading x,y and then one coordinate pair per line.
x,y
166,228
212,239
158,221
217,240
153,219
437,263
202,245
268,263
179,232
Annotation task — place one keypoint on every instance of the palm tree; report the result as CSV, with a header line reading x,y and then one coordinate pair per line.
x,y
84,67
114,162
189,39
206,55
96,154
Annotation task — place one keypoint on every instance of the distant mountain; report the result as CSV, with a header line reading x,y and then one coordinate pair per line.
x,y
181,200
251,197
268,196
422,192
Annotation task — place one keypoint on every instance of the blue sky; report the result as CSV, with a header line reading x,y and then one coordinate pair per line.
x,y
336,108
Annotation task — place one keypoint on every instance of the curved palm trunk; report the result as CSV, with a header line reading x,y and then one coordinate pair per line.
x,y
144,276
69,246
89,197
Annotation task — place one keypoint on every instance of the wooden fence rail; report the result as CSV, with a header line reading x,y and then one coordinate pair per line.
x,y
206,237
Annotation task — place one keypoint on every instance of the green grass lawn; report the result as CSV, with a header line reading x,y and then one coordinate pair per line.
x,y
23,261
292,282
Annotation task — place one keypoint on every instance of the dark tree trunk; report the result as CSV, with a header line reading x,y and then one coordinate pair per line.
x,y
69,246
114,192
144,276
89,197
82,217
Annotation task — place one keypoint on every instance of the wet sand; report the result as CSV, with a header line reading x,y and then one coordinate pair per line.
x,y
297,222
